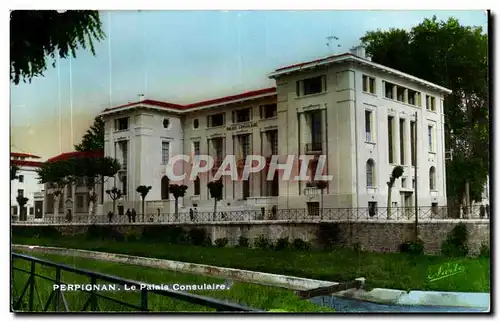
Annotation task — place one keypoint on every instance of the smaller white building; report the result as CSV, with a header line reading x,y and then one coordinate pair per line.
x,y
27,185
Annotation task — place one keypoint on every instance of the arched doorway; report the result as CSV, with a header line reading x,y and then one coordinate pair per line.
x,y
165,182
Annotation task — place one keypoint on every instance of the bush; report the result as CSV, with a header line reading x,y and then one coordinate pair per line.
x,y
455,244
199,237
221,242
103,233
282,244
132,235
299,244
484,251
243,242
262,242
169,234
412,247
328,234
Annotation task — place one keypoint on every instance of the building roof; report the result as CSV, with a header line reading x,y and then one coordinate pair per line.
x,y
77,154
24,155
348,57
24,163
198,105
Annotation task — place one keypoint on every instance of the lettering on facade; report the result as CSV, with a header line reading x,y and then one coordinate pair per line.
x,y
241,126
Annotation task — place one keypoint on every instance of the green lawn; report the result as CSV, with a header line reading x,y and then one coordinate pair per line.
x,y
395,270
255,296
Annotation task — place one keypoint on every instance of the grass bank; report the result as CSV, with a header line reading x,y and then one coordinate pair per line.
x,y
394,270
255,296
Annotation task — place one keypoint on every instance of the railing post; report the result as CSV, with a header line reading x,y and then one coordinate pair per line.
x,y
144,300
32,286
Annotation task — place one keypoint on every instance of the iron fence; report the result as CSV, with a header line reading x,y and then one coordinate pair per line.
x,y
241,216
29,298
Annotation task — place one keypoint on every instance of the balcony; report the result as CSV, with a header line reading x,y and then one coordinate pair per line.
x,y
314,147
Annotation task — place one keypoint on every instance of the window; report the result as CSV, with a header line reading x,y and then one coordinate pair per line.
x,y
165,188
244,141
432,178
79,202
272,137
369,126
368,84
165,147
196,123
370,173
402,140
217,145
69,191
14,210
313,208
313,85
20,178
243,115
390,126
166,123
413,97
403,183
316,129
122,147
413,147
430,135
268,111
121,124
435,208
372,208
124,183
197,186
401,93
216,120
430,103
389,90
32,210
196,147
20,192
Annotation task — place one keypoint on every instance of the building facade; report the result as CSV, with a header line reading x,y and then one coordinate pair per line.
x,y
26,185
364,117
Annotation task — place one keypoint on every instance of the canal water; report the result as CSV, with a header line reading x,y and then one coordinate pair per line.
x,y
349,305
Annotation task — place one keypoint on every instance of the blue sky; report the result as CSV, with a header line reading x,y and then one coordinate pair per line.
x,y
186,56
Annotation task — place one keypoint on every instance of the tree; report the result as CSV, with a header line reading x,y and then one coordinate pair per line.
x,y
22,201
396,173
143,191
114,194
216,189
93,139
58,175
456,57
178,191
322,185
36,34
13,172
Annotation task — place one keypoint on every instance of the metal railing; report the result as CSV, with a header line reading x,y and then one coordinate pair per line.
x,y
314,214
30,294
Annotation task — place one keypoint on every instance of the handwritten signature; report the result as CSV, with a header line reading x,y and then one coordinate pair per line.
x,y
446,270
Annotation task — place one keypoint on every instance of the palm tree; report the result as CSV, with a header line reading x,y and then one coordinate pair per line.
x,y
215,188
13,172
22,201
322,185
397,172
177,191
143,191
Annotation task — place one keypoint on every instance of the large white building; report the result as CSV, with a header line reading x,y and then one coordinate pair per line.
x,y
26,185
363,116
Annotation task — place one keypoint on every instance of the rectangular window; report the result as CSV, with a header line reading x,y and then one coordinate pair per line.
x,y
32,210
218,149
79,201
313,85
196,147
20,192
368,84
216,120
124,185
412,142
369,126
165,152
401,94
121,124
244,141
268,111
390,125
14,210
20,178
430,136
243,115
389,90
123,147
402,138
403,183
430,103
313,208
316,129
372,208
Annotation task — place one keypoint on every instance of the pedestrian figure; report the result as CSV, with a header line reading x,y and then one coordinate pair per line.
x,y
129,215
191,214
488,210
482,210
134,214
110,216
